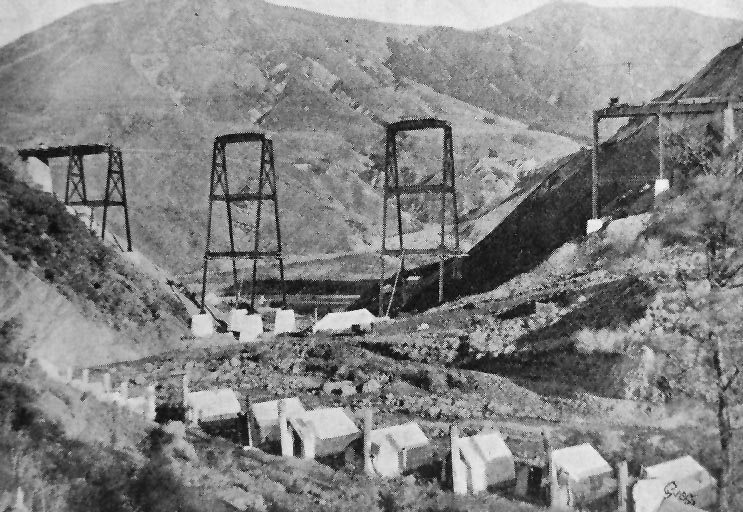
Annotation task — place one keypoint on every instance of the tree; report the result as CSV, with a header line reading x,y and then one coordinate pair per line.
x,y
696,318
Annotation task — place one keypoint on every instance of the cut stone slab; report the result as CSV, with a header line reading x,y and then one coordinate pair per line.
x,y
398,448
285,321
324,431
342,321
235,319
202,325
487,461
251,328
210,405
265,416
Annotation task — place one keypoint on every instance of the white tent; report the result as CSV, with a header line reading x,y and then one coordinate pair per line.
x,y
212,405
580,462
324,431
582,474
345,320
487,460
398,448
265,416
680,482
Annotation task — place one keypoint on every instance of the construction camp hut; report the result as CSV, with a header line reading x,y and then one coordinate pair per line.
x,y
322,432
345,320
674,484
398,448
583,475
265,417
487,461
211,405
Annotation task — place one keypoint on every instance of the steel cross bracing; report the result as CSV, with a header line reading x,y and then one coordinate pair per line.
x,y
76,193
661,110
394,189
219,191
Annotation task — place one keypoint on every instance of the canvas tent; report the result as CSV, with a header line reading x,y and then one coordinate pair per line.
x,y
322,432
582,474
487,461
211,405
398,448
683,480
265,417
343,321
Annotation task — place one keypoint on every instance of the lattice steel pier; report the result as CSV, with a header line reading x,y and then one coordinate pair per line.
x,y
219,191
76,193
394,189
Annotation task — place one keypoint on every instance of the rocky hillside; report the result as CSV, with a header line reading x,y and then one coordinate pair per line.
x,y
161,79
554,206
553,66
69,297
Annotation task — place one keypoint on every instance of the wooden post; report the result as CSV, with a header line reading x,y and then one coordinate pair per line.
x,y
368,468
107,382
661,151
458,478
622,485
595,169
124,390
150,409
284,435
69,375
552,471
729,126
86,376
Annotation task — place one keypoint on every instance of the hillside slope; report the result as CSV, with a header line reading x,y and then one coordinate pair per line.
x,y
161,79
69,297
557,208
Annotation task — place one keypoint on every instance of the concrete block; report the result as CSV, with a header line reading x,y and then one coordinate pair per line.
x,y
235,319
285,321
202,325
593,225
661,186
251,328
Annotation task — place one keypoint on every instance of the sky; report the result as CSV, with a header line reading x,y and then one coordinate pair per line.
x,y
20,16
